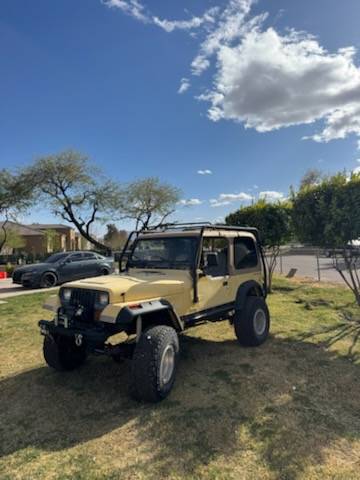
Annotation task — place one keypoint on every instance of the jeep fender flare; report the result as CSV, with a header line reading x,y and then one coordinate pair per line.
x,y
128,315
250,287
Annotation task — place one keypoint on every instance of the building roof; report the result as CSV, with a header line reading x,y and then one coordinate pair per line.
x,y
21,229
49,226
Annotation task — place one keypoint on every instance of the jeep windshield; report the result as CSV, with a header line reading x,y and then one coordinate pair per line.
x,y
164,252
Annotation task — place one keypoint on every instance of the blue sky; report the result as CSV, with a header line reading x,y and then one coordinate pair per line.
x,y
104,78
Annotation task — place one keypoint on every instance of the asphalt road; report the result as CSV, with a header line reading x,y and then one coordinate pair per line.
x,y
306,266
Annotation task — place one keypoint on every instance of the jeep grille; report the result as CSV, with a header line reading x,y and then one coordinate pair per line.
x,y
84,298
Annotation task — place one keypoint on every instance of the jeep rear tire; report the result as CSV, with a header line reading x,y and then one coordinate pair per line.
x,y
62,354
252,322
154,364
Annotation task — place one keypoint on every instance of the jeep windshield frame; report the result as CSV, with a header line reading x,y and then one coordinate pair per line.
x,y
160,252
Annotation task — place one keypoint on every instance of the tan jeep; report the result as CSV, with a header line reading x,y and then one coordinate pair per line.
x,y
170,279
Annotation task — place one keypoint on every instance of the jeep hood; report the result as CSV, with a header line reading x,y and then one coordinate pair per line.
x,y
137,286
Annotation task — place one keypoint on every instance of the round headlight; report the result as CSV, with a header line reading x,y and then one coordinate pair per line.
x,y
66,294
103,298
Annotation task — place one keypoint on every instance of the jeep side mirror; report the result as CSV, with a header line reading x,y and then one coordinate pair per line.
x,y
212,259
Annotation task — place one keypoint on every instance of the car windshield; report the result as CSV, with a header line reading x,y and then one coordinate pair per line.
x,y
165,252
56,257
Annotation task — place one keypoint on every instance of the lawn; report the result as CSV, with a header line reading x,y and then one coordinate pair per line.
x,y
289,409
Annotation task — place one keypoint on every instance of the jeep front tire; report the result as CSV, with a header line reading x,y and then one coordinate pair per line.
x,y
61,353
252,322
154,364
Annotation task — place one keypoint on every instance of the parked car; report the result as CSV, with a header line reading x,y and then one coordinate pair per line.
x,y
62,267
175,277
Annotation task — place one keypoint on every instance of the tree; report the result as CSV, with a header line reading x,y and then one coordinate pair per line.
x,y
273,220
114,238
312,177
15,196
148,202
76,190
328,215
13,239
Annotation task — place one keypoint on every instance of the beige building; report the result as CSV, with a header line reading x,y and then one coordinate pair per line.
x,y
39,238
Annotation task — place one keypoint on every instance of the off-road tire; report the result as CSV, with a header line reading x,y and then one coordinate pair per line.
x,y
62,354
48,280
245,325
145,381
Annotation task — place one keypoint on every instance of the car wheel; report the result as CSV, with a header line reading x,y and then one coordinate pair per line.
x,y
252,323
105,271
61,353
48,280
154,364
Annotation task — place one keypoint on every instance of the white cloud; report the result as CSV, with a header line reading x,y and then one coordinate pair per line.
x,y
232,197
130,7
358,160
205,172
264,79
228,28
271,196
356,170
194,22
228,198
184,85
135,9
190,202
268,81
218,203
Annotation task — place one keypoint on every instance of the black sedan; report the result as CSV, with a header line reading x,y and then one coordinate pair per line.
x,y
62,267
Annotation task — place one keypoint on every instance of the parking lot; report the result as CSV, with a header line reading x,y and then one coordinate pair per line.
x,y
306,266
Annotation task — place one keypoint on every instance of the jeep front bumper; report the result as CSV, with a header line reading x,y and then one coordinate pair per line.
x,y
93,338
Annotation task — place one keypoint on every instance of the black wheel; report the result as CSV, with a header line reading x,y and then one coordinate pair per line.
x,y
62,353
48,280
105,271
252,323
154,364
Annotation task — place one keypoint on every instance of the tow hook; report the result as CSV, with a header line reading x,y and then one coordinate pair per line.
x,y
44,330
78,339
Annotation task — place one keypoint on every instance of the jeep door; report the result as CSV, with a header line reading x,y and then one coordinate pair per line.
x,y
246,264
213,283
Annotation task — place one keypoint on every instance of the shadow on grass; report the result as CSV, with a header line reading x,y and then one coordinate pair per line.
x,y
287,401
335,333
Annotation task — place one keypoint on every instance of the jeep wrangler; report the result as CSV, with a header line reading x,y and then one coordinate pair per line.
x,y
171,278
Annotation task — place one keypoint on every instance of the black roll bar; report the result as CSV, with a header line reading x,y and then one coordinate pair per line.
x,y
195,226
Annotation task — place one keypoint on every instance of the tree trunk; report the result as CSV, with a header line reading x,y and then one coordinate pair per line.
x,y
353,282
3,227
89,238
271,261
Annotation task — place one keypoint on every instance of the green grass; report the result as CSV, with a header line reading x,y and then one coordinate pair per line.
x,y
287,410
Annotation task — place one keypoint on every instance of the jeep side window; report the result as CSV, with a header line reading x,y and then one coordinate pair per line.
x,y
214,258
245,255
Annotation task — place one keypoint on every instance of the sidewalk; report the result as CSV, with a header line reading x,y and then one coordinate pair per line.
x,y
9,289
